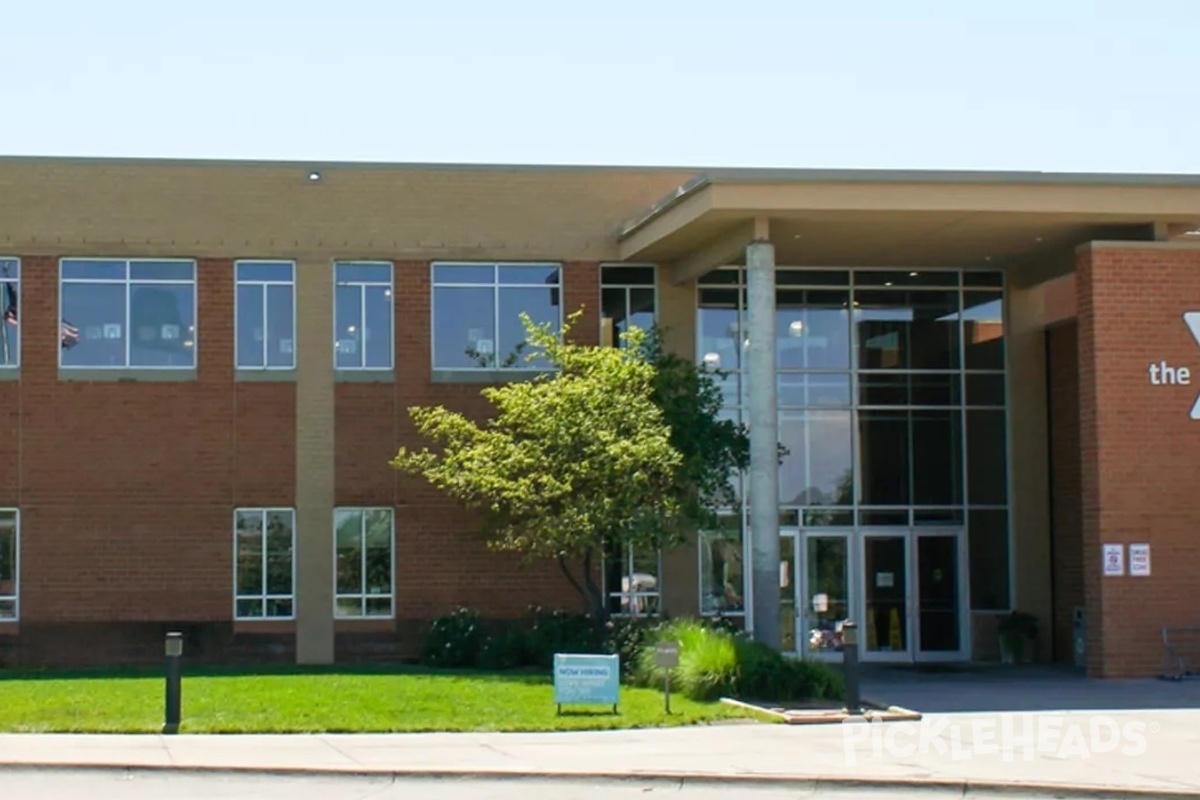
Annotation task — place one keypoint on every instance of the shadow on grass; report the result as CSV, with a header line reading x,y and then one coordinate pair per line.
x,y
526,676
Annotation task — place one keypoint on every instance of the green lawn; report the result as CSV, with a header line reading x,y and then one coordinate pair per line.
x,y
314,700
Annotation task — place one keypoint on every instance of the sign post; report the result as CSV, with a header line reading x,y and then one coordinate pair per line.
x,y
666,657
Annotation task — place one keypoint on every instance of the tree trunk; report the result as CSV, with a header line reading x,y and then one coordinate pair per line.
x,y
589,592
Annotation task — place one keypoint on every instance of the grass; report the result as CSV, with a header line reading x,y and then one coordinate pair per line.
x,y
299,700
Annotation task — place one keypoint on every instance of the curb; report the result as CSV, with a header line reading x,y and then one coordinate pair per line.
x,y
810,782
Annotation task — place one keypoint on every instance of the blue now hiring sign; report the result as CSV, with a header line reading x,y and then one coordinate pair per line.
x,y
586,679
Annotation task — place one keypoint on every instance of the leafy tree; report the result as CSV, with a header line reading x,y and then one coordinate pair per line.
x,y
712,449
573,461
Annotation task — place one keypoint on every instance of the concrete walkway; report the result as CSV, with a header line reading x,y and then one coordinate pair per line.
x,y
1080,753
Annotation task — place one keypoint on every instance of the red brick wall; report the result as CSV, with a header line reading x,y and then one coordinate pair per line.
x,y
1063,381
1138,448
126,489
441,558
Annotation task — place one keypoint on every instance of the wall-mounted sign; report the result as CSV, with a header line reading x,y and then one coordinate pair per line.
x,y
1192,320
1139,559
1114,559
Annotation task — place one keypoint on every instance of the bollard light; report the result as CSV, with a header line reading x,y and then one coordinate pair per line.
x,y
174,651
850,667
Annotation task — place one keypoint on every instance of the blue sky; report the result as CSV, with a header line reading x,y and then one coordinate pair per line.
x,y
1051,85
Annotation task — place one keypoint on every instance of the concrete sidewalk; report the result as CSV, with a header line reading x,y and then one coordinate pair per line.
x,y
950,751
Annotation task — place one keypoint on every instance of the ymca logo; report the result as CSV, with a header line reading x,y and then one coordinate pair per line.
x,y
1163,374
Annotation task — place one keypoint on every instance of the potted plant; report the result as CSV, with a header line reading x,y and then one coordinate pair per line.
x,y
1017,630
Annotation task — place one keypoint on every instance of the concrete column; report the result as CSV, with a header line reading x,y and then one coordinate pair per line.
x,y
314,462
763,485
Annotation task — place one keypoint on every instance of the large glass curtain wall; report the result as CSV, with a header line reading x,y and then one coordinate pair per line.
x,y
891,393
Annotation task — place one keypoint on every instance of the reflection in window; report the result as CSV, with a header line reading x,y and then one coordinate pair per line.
x,y
363,315
812,329
264,574
722,578
907,329
631,582
477,308
9,549
266,314
128,313
365,571
983,330
10,332
627,298
818,469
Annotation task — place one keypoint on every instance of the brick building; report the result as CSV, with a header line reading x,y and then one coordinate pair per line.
x,y
982,380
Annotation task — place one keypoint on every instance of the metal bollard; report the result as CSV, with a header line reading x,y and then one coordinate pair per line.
x,y
850,667
174,681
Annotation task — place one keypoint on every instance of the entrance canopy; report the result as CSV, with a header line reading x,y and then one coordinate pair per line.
x,y
920,219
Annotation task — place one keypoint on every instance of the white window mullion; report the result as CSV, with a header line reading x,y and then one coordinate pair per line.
x,y
128,316
266,349
362,334
265,586
362,573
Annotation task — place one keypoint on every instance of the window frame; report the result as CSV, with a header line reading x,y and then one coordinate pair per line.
x,y
361,286
627,288
264,595
627,570
237,283
128,284
5,280
496,286
362,596
15,597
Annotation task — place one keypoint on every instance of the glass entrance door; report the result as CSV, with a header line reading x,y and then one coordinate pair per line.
x,y
885,626
941,632
826,592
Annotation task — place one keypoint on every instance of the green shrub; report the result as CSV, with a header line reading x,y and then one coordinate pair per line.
x,y
626,637
453,640
507,647
560,631
714,662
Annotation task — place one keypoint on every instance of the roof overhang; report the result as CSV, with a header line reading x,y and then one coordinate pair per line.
x,y
917,219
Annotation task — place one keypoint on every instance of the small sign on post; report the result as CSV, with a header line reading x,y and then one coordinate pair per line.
x,y
586,679
666,657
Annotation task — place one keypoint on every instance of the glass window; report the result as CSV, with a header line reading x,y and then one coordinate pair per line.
x,y
818,469
799,390
477,308
907,329
987,462
9,555
365,573
627,298
10,293
812,329
264,576
266,314
118,313
719,324
983,330
911,457
631,582
909,389
363,315
987,543
722,579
